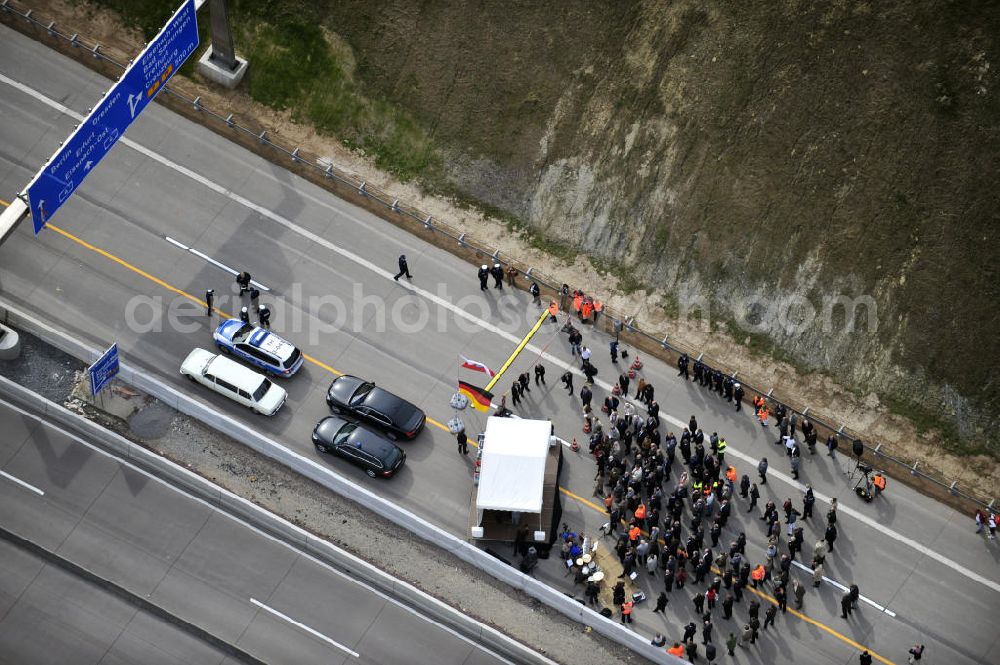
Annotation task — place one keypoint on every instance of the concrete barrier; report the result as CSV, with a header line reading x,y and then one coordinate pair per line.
x,y
318,473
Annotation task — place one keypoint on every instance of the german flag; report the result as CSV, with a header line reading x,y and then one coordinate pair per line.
x,y
479,398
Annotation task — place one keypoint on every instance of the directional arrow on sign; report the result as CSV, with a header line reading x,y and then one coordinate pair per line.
x,y
133,101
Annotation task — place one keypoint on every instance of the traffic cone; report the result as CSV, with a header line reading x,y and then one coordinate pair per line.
x,y
616,390
574,446
637,364
586,427
631,372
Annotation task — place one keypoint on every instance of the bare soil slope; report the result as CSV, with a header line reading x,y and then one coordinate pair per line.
x,y
739,151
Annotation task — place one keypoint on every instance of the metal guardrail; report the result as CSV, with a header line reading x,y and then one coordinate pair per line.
x,y
613,321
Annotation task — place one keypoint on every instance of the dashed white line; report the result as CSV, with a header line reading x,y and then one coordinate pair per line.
x,y
799,564
302,626
217,264
23,484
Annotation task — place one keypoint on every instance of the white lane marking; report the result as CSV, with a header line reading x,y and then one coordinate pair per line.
x,y
302,626
23,484
840,586
485,325
249,506
217,264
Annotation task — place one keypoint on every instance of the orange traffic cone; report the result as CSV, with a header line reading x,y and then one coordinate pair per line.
x,y
616,390
586,427
574,446
637,364
631,372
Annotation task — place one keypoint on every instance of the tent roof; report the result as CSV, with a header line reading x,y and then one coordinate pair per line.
x,y
513,464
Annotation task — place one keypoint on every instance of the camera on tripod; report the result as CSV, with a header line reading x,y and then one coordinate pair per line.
x,y
864,468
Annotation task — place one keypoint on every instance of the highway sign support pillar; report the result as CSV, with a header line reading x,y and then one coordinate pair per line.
x,y
11,216
219,63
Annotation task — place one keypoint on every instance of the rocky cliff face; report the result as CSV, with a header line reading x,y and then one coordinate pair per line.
x,y
759,159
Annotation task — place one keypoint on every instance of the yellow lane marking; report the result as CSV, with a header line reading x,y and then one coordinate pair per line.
x,y
173,289
517,351
322,365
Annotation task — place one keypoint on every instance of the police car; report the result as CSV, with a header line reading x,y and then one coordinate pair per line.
x,y
258,347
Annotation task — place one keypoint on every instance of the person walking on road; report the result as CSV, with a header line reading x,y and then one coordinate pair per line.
x,y
731,644
536,293
515,392
799,592
754,495
769,614
808,501
746,636
497,273
264,316
762,470
661,603
254,298
845,605
831,535
484,278
245,315
865,658
511,276
567,379
916,653
210,301
463,442
539,373
404,269
243,281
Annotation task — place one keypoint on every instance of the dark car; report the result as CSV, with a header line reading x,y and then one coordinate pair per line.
x,y
354,443
364,400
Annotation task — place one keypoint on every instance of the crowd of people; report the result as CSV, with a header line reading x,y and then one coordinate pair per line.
x,y
671,501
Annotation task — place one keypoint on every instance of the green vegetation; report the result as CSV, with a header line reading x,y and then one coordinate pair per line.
x,y
296,65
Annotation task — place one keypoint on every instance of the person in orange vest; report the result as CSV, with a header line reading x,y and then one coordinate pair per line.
x,y
757,576
676,650
764,415
553,310
598,308
640,515
633,533
731,478
577,302
879,482
758,404
627,611
586,309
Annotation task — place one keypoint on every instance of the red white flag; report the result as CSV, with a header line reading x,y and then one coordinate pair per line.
x,y
476,366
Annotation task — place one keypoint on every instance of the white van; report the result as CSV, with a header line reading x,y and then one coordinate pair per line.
x,y
228,377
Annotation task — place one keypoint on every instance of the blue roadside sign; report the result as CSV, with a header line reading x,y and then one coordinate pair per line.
x,y
103,370
99,132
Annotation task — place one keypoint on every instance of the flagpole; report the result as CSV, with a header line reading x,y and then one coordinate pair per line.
x,y
520,347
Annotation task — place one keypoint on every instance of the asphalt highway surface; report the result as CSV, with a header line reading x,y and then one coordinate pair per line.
x,y
174,207
182,556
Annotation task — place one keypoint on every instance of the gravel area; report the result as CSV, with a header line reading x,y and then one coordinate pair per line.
x,y
231,465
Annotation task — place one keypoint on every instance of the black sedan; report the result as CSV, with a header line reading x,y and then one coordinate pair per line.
x,y
370,451
363,399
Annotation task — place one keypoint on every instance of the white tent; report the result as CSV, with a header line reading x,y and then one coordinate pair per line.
x,y
512,470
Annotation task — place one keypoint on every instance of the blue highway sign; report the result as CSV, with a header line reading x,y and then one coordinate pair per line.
x,y
103,370
92,140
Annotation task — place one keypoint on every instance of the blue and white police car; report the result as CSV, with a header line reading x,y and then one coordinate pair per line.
x,y
258,347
